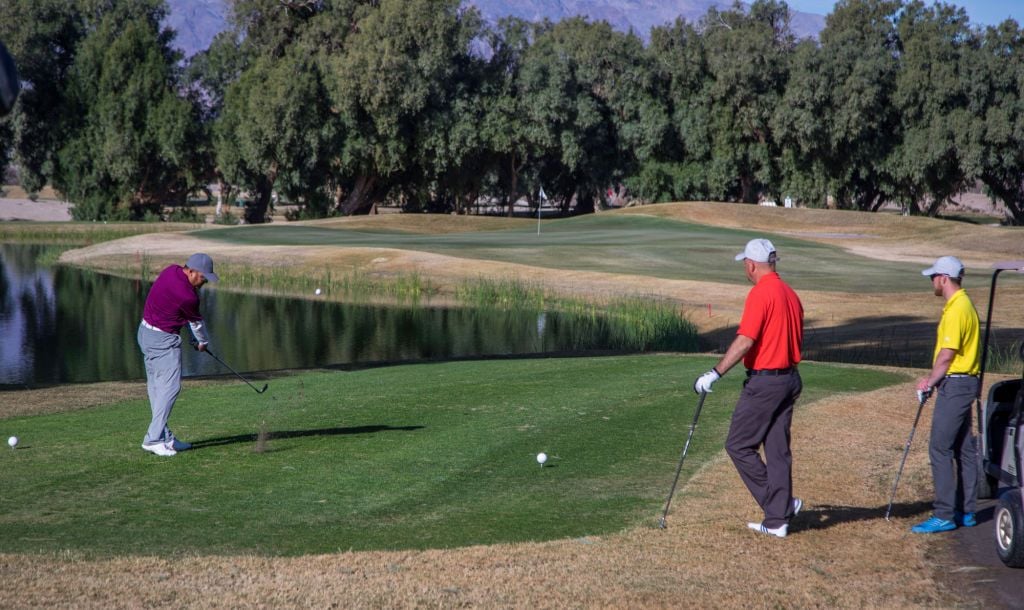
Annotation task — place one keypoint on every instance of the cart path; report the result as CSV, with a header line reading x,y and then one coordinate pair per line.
x,y
973,561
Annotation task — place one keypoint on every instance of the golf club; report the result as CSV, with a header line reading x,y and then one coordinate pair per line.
x,y
910,439
686,447
258,390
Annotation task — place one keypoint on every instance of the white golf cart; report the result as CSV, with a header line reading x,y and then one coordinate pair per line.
x,y
1002,446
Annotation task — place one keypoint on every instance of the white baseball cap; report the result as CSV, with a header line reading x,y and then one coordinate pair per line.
x,y
759,251
947,265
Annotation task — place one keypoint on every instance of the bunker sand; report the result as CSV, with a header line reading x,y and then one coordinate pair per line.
x,y
840,553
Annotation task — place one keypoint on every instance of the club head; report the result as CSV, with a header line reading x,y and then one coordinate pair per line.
x,y
263,390
661,523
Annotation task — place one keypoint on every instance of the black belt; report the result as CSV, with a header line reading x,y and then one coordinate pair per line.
x,y
770,372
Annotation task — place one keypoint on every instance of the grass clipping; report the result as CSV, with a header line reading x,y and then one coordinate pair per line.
x,y
840,553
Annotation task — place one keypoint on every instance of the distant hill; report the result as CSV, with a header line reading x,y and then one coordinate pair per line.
x,y
198,21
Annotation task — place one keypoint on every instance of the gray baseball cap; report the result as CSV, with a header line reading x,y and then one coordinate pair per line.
x,y
203,263
947,265
759,251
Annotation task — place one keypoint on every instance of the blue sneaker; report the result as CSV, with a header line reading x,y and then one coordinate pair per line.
x,y
933,525
965,519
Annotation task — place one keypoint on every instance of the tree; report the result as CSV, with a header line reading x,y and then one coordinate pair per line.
x,y
43,36
567,78
389,83
127,134
276,131
931,100
673,164
993,144
837,123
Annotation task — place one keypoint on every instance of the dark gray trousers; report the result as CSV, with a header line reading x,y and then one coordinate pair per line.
x,y
763,416
952,450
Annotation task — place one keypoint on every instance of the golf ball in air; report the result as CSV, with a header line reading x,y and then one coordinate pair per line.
x,y
541,458
318,292
13,442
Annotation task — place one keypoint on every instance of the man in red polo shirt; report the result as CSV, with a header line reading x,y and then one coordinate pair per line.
x,y
768,341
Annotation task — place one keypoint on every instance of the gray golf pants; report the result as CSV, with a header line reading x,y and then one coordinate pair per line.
x,y
162,354
952,450
763,416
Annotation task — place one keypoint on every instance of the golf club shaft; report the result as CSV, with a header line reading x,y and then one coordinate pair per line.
x,y
682,458
906,450
237,374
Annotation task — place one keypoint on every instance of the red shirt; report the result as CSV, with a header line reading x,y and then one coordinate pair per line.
x,y
172,301
774,318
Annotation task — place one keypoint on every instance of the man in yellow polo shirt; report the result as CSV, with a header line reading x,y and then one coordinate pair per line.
x,y
955,369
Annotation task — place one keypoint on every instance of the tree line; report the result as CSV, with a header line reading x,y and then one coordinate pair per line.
x,y
341,104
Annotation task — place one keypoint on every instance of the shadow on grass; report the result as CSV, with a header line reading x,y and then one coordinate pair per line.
x,y
251,438
826,516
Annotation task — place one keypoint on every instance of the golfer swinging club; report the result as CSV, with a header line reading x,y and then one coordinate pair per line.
x,y
173,301
768,341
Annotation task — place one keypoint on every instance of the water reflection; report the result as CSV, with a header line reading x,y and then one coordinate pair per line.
x,y
66,325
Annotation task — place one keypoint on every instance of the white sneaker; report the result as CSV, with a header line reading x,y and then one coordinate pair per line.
x,y
778,532
161,449
180,445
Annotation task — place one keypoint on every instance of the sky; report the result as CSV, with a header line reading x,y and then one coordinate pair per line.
x,y
980,12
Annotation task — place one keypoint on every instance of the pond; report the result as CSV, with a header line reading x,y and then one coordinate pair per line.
x,y
65,325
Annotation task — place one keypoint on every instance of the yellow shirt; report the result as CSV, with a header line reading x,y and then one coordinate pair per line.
x,y
959,331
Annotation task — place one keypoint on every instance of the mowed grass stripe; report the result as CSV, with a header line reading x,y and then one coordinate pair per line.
x,y
408,457
630,244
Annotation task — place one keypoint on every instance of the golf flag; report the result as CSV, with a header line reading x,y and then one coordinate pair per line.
x,y
542,197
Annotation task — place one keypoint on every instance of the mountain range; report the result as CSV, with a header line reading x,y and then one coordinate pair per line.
x,y
198,21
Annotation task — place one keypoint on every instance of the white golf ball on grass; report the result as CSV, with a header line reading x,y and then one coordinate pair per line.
x,y
541,458
317,292
13,442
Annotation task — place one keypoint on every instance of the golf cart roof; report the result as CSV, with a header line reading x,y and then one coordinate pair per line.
x,y
1009,266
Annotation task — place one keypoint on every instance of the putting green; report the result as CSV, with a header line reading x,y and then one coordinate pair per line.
x,y
637,245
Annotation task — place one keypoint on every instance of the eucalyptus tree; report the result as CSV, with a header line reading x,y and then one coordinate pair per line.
x,y
747,55
931,99
276,132
126,134
43,36
569,75
837,122
390,84
993,144
673,163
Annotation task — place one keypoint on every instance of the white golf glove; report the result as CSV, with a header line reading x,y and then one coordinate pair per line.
x,y
703,383
923,395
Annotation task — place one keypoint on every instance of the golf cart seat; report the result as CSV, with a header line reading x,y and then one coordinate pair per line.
x,y
1002,415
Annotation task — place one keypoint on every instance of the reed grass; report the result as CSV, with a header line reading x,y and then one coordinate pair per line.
x,y
1005,359
354,286
83,233
629,323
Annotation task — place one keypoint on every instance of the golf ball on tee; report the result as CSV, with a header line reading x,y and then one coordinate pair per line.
x,y
13,442
318,291
541,458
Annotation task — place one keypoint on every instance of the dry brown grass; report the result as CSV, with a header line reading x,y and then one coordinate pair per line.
x,y
841,552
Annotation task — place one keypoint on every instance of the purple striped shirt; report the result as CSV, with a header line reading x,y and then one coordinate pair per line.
x,y
172,301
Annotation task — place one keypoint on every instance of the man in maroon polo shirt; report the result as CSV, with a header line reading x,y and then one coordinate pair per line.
x,y
768,341
173,301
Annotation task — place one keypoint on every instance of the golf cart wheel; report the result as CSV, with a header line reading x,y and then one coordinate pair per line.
x,y
1010,529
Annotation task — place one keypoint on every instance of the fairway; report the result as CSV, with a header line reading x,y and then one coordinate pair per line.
x,y
408,457
613,243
